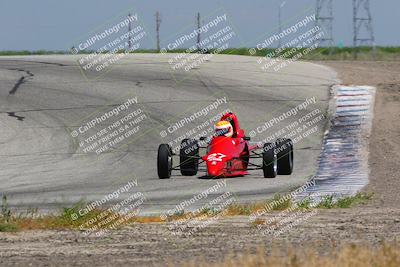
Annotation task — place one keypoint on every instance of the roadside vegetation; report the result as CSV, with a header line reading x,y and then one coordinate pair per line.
x,y
68,218
326,202
329,202
27,52
322,53
6,224
32,220
386,254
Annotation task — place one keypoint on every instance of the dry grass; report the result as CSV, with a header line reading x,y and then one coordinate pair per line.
x,y
58,222
64,220
68,218
11,223
248,209
387,255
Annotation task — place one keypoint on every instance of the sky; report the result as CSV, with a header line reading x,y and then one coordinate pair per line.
x,y
58,25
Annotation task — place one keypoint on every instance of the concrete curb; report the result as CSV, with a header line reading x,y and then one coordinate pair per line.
x,y
343,164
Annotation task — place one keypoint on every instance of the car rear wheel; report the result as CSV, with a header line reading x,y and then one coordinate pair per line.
x,y
284,151
269,160
189,157
164,161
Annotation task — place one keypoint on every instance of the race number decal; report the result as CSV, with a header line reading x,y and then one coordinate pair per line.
x,y
216,157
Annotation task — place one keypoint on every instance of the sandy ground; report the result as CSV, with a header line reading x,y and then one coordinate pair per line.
x,y
154,244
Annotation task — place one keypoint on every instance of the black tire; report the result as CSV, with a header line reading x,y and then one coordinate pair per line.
x,y
164,161
189,157
269,160
284,150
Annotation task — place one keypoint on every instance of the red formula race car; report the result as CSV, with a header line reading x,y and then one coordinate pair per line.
x,y
228,154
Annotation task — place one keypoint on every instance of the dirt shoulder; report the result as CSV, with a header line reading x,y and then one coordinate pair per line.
x,y
155,244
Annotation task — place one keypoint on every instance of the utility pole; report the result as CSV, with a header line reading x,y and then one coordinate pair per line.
x,y
198,32
362,21
158,23
280,22
129,32
324,20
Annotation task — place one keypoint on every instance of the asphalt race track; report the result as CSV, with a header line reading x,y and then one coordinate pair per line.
x,y
45,98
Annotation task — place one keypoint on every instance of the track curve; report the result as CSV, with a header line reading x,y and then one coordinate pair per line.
x,y
42,165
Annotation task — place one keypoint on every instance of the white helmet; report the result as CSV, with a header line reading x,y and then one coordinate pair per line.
x,y
223,128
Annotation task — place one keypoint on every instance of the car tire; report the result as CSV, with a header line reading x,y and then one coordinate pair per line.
x,y
269,163
284,149
164,161
189,157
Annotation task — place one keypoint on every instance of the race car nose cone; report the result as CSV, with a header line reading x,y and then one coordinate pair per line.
x,y
214,170
216,163
213,173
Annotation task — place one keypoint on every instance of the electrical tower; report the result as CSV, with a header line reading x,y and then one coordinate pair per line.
x,y
198,32
324,20
362,26
158,23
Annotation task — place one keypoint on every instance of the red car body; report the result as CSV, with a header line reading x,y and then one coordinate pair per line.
x,y
228,156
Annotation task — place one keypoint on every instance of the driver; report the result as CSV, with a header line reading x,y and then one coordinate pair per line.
x,y
223,128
